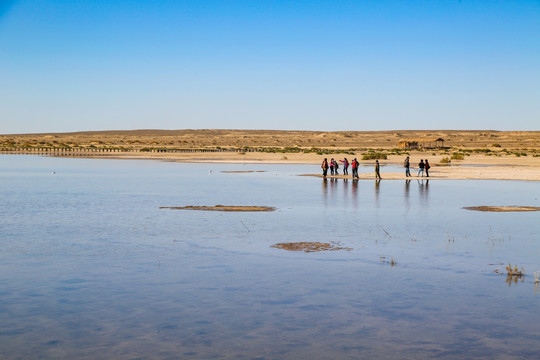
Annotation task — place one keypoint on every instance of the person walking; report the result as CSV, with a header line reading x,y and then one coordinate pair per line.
x,y
377,170
426,167
345,163
324,167
407,166
354,166
332,166
421,166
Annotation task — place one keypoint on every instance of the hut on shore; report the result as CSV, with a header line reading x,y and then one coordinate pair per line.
x,y
421,143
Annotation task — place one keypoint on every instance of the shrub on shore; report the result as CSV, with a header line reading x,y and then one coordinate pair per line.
x,y
374,156
445,160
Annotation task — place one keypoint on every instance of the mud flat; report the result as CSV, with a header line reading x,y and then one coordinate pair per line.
x,y
242,171
221,208
309,246
503,208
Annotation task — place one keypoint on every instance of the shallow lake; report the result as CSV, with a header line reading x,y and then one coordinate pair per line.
x,y
91,267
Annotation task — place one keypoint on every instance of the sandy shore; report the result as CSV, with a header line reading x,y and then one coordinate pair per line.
x,y
474,167
489,155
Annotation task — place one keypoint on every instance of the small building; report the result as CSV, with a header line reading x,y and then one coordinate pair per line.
x,y
421,143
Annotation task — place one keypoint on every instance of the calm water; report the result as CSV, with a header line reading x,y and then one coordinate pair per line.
x,y
90,267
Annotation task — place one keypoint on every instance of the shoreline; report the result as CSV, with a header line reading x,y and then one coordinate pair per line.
x,y
457,154
473,167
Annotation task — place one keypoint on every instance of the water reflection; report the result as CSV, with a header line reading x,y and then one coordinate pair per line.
x,y
325,191
333,186
354,192
346,192
423,190
349,189
511,278
101,250
407,193
376,192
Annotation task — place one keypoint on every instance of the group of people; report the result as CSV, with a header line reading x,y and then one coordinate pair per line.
x,y
334,166
423,166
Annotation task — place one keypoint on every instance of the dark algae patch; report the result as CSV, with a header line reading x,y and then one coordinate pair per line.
x,y
503,208
221,208
310,246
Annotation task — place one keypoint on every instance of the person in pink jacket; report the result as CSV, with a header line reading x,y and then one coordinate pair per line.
x,y
345,163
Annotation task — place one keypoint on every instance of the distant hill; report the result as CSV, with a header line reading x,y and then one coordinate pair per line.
x,y
274,138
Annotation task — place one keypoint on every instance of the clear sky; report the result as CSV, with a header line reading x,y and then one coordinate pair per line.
x,y
70,65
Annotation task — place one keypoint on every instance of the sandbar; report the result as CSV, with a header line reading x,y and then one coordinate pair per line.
x,y
503,208
309,246
221,208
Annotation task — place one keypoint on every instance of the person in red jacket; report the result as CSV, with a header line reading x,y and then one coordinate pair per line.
x,y
324,167
354,166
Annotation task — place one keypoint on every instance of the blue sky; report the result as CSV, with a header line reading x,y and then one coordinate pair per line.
x,y
298,65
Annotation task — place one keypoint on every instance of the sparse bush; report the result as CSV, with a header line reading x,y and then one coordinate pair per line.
x,y
482,150
445,160
374,156
457,156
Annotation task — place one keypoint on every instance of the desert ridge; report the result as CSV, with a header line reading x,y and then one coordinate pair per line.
x,y
196,139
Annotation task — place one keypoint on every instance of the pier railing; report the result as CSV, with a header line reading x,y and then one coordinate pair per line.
x,y
59,151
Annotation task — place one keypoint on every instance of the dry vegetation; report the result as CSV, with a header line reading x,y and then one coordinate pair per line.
x,y
495,141
513,274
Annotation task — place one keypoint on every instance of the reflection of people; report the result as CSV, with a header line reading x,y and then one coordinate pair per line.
x,y
324,167
355,168
426,167
423,187
420,168
376,192
407,166
377,170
